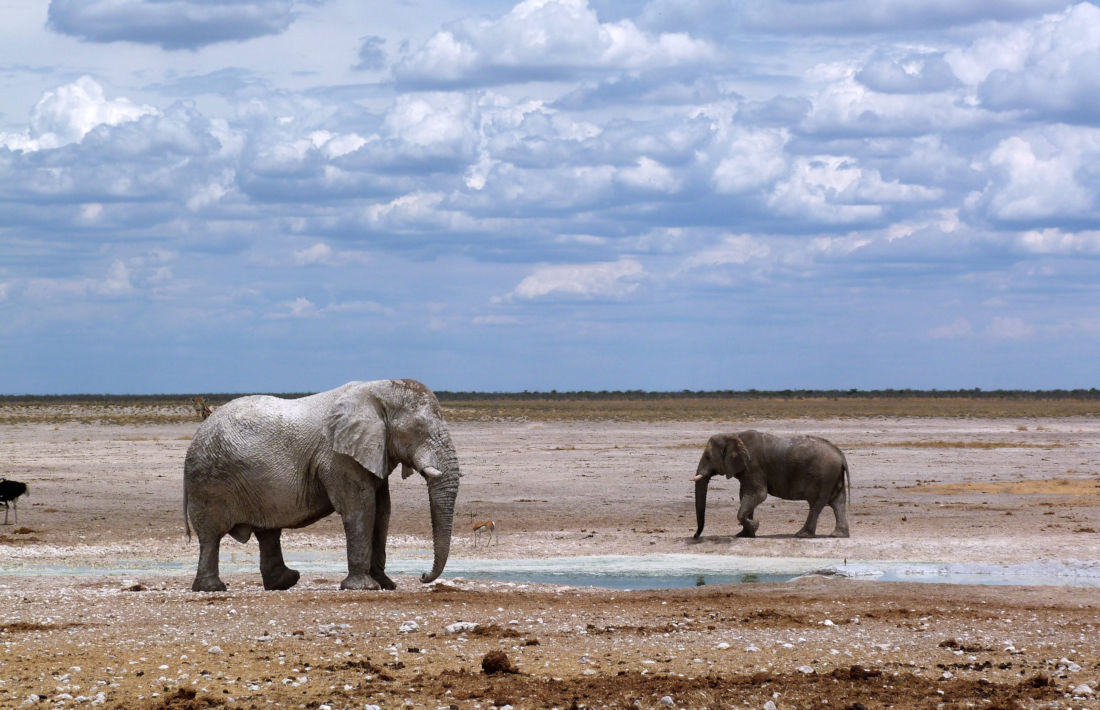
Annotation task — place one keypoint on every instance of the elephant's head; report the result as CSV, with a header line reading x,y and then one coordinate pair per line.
x,y
725,454
389,422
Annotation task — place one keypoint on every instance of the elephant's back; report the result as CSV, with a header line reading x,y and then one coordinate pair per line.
x,y
257,430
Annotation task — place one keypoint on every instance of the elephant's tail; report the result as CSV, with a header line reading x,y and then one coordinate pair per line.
x,y
186,521
847,483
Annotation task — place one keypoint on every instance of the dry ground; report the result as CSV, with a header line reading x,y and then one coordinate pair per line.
x,y
994,489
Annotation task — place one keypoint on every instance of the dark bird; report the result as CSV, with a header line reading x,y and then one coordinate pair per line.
x,y
9,496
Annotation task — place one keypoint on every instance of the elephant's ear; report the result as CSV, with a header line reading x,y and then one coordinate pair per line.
x,y
358,430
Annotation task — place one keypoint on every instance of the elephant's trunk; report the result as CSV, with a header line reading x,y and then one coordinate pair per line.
x,y
442,491
701,483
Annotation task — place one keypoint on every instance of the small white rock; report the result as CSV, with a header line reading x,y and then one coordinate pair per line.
x,y
667,701
770,705
459,627
807,670
752,649
214,649
408,627
947,675
372,707
828,622
1082,690
722,646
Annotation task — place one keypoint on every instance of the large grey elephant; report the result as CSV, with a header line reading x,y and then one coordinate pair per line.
x,y
805,468
260,464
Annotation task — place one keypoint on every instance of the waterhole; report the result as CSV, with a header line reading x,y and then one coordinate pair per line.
x,y
623,572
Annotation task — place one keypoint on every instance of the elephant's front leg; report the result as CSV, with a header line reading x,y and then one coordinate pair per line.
x,y
381,530
359,530
274,571
749,500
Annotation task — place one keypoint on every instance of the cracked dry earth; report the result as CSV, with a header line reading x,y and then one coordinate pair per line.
x,y
948,490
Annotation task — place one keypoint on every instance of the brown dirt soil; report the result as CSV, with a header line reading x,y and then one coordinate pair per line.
x,y
109,493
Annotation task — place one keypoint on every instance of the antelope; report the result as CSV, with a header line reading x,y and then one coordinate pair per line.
x,y
9,497
485,526
203,409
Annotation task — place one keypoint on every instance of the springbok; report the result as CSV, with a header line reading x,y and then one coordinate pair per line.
x,y
486,526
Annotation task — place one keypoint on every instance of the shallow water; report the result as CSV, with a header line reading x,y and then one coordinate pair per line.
x,y
624,572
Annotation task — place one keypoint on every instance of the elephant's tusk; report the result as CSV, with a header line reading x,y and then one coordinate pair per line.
x,y
698,478
431,472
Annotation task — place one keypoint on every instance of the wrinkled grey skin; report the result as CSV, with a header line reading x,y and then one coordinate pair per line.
x,y
805,468
260,464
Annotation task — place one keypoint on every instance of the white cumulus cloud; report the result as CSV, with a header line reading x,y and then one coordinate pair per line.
x,y
69,112
612,279
543,39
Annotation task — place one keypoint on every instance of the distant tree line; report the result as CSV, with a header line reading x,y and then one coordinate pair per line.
x,y
445,396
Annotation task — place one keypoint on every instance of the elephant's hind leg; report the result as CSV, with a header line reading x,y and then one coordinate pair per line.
x,y
206,578
275,573
809,528
839,504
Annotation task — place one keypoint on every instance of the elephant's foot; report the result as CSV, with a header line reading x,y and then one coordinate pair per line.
x,y
383,581
359,581
284,578
840,533
208,584
804,533
747,532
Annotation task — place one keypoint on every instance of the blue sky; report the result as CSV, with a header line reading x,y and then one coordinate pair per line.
x,y
283,195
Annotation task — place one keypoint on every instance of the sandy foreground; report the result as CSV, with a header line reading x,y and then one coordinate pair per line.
x,y
95,608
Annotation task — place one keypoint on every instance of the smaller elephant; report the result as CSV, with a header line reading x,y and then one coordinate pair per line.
x,y
805,468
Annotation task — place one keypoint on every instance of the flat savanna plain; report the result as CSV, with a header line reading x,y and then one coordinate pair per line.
x,y
934,479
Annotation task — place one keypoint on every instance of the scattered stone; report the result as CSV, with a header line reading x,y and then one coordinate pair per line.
x,y
1067,665
722,646
806,670
135,588
667,701
459,627
408,627
1082,690
214,649
332,629
770,705
497,662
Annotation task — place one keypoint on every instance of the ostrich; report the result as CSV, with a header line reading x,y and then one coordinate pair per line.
x,y
9,496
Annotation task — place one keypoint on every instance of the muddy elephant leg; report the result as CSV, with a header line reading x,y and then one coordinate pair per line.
x,y
381,530
274,571
749,501
809,528
839,504
206,578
